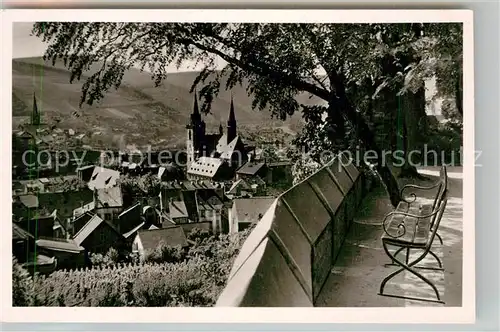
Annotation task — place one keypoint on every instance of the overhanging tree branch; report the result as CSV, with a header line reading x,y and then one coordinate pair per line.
x,y
260,68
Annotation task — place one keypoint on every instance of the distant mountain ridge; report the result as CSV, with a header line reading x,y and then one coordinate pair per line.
x,y
138,112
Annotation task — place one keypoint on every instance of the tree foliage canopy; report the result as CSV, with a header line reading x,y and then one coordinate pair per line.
x,y
280,58
275,62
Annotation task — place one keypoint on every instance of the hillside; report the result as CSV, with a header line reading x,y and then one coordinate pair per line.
x,y
138,113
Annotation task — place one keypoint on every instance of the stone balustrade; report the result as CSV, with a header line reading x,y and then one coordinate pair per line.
x,y
288,256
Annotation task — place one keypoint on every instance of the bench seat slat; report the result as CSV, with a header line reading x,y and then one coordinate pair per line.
x,y
416,229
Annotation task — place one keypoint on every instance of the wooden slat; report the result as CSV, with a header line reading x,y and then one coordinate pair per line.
x,y
417,230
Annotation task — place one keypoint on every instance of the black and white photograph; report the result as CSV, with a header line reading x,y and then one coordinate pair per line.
x,y
222,163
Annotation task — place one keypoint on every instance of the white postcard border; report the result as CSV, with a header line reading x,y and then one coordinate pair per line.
x,y
464,314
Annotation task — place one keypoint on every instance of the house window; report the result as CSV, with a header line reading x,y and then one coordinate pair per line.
x,y
102,237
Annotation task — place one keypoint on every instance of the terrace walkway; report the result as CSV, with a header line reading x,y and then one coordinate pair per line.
x,y
355,279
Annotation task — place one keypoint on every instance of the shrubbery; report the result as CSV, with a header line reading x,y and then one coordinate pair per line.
x,y
167,278
165,254
22,286
110,258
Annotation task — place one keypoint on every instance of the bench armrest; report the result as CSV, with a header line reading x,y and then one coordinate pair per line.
x,y
413,195
401,226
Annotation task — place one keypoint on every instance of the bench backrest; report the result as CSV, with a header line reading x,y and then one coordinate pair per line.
x,y
437,219
442,188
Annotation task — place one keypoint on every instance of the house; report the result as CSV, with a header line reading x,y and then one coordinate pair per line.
x,y
103,178
130,218
130,235
98,236
240,188
40,264
23,243
25,206
18,188
148,240
151,215
51,184
148,219
177,211
192,204
165,219
65,202
251,169
170,172
209,168
42,223
35,186
176,189
77,223
83,209
190,199
59,229
210,210
108,204
279,172
85,173
81,158
246,211
68,253
130,163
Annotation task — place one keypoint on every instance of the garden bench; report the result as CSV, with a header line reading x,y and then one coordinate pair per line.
x,y
414,226
442,186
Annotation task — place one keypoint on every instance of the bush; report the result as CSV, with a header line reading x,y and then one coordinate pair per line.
x,y
197,235
22,286
169,277
110,258
165,254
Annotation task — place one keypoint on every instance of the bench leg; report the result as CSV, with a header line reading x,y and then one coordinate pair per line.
x,y
440,264
440,238
410,268
395,254
437,258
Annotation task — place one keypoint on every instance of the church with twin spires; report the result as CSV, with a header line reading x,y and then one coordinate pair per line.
x,y
213,156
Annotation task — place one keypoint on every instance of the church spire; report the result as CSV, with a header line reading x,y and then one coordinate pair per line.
x,y
232,118
195,107
35,114
195,116
231,123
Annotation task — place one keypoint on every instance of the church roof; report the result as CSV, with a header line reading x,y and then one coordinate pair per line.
x,y
205,166
221,145
225,150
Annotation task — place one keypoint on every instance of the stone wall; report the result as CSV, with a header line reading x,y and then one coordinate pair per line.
x,y
288,256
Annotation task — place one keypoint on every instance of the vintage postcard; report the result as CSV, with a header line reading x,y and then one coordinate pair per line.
x,y
238,166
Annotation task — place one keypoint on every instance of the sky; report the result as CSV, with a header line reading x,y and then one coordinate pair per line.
x,y
25,46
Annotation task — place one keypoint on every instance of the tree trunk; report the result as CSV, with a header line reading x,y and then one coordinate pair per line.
x,y
368,138
409,128
458,94
407,169
413,125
